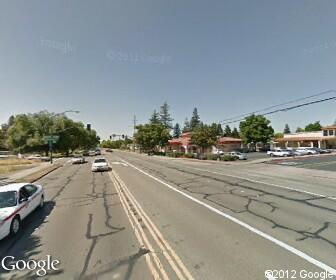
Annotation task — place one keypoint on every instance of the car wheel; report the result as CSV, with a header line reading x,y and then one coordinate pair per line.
x,y
41,202
15,226
271,155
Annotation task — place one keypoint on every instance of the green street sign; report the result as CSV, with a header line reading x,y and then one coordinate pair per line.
x,y
51,138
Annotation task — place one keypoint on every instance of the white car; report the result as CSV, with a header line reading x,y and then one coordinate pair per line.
x,y
309,151
218,152
92,153
17,201
238,155
38,157
100,164
78,159
279,153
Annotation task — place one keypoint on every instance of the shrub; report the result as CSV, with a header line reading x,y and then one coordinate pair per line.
x,y
174,154
211,157
159,153
189,155
227,158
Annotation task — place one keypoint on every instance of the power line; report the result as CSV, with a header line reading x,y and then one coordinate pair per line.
x,y
288,108
238,117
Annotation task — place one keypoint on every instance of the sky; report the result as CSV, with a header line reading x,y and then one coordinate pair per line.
x,y
112,60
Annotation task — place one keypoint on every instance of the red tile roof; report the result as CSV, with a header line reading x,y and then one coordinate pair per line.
x,y
228,140
185,140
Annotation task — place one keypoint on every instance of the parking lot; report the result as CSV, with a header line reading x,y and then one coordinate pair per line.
x,y
323,162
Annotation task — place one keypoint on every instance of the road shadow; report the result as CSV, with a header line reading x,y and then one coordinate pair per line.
x,y
25,245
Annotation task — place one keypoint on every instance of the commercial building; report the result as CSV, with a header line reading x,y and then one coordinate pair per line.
x,y
324,139
184,145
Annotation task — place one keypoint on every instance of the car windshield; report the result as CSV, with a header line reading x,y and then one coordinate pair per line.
x,y
101,160
7,199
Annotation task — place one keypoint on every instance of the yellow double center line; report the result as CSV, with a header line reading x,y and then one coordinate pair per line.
x,y
135,213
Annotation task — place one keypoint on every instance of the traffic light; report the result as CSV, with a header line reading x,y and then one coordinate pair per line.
x,y
123,136
88,127
110,137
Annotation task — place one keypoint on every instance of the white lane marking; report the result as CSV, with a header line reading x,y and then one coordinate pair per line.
x,y
119,163
265,183
245,225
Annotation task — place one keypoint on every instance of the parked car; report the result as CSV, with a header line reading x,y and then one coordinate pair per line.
x,y
78,159
218,152
97,152
100,164
85,153
38,157
307,151
238,155
321,151
17,201
92,153
109,150
280,153
300,152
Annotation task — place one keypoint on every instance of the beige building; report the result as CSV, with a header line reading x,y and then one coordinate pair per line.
x,y
324,139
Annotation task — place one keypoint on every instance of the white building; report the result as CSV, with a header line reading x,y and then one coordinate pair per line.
x,y
325,139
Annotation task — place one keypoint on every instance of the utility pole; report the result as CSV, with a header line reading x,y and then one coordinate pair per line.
x,y
134,128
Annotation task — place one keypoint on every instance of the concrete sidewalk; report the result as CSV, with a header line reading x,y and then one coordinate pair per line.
x,y
17,176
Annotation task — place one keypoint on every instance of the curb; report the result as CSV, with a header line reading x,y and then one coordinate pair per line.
x,y
44,172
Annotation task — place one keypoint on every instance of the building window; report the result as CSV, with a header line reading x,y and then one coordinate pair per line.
x,y
325,132
331,133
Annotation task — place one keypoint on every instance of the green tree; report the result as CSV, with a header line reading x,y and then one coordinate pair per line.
x,y
186,127
316,126
219,130
204,136
151,136
195,120
278,135
20,133
117,144
155,118
235,133
165,116
299,129
28,131
3,138
256,128
4,132
177,131
227,131
287,129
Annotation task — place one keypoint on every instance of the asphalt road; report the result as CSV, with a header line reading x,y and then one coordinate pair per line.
x,y
179,219
324,162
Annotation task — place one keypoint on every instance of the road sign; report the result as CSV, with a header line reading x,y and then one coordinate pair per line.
x,y
51,139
